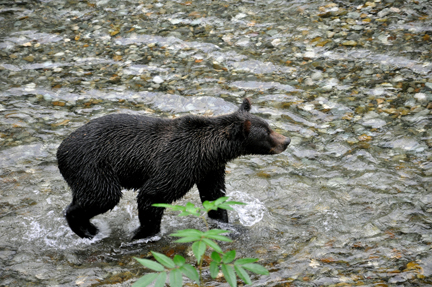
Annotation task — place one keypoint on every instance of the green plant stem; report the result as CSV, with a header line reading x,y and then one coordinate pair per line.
x,y
205,221
200,272
203,217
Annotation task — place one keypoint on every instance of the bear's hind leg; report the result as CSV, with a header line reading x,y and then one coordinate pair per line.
x,y
78,219
86,205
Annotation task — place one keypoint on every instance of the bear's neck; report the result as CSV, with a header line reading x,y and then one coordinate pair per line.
x,y
213,141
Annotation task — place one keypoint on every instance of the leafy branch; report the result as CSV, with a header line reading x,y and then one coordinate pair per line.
x,y
202,240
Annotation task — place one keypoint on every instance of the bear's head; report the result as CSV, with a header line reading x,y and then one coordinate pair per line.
x,y
258,137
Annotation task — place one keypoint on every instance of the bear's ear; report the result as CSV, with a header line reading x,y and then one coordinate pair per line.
x,y
246,127
246,105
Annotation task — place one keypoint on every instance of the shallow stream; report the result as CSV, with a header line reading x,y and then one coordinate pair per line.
x,y
349,203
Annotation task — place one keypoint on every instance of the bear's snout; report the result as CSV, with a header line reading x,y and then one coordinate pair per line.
x,y
286,142
281,142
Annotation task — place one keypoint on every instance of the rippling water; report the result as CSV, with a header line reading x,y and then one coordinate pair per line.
x,y
348,203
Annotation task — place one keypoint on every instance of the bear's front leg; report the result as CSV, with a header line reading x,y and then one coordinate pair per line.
x,y
211,187
150,218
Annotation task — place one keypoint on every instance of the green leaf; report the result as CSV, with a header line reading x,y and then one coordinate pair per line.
x,y
218,237
187,239
256,268
190,207
170,206
242,274
166,205
178,208
161,279
215,257
220,200
187,232
163,259
228,272
235,202
179,260
245,261
224,206
190,272
185,213
198,249
209,205
229,256
214,269
145,280
212,244
175,278
150,264
216,231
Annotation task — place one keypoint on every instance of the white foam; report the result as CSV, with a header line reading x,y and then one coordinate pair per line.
x,y
252,212
142,240
55,232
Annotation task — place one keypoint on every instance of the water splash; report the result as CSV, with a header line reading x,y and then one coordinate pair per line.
x,y
142,241
54,233
251,213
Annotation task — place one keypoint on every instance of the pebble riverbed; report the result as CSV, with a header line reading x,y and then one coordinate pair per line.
x,y
348,204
